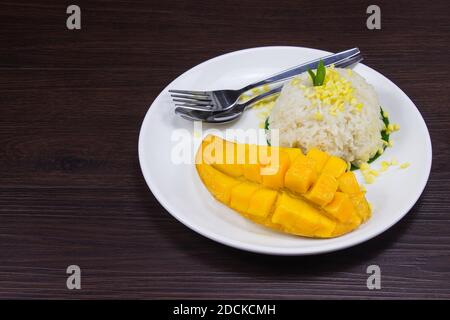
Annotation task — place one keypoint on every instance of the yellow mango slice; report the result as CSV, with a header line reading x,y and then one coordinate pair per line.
x,y
343,228
205,152
218,184
323,190
298,195
320,157
241,195
252,172
293,153
257,157
262,202
265,154
348,183
276,170
361,205
298,217
301,174
252,167
335,167
342,208
224,157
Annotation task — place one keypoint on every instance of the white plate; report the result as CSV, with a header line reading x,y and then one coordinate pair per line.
x,y
179,189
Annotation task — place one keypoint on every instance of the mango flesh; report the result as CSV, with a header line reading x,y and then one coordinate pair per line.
x,y
323,191
274,177
301,174
319,156
335,167
262,202
306,195
348,183
301,218
241,195
219,184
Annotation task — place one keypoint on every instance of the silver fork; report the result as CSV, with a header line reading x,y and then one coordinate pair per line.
x,y
221,100
237,109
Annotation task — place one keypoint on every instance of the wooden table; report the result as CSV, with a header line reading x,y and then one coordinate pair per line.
x,y
71,190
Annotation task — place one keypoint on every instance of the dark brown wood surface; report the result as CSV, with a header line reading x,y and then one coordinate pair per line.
x,y
71,190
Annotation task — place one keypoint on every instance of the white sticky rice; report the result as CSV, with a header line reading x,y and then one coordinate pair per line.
x,y
352,134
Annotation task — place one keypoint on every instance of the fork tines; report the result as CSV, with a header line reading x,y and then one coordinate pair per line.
x,y
193,100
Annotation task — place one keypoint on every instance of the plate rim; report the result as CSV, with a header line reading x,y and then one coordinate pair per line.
x,y
268,249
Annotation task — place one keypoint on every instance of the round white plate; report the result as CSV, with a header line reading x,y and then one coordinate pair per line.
x,y
179,189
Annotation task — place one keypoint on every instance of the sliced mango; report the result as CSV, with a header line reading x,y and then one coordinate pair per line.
x,y
335,167
257,157
262,202
319,156
361,205
252,172
343,228
348,183
298,195
225,157
323,190
241,195
301,174
219,184
293,153
341,208
275,170
298,217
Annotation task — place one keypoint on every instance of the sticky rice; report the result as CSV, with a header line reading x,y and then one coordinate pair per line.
x,y
341,117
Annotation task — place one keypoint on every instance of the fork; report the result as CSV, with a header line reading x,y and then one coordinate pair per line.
x,y
237,109
221,100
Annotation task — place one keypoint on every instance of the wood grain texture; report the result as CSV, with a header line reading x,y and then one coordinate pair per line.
x,y
71,191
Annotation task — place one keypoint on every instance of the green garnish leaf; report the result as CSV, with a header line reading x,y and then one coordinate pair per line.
x,y
320,74
313,76
385,119
319,77
375,157
266,127
384,136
